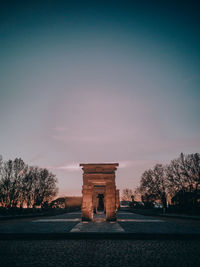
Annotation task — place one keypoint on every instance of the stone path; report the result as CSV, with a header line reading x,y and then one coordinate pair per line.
x,y
96,227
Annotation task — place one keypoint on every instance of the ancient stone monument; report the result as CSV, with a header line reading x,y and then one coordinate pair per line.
x,y
99,190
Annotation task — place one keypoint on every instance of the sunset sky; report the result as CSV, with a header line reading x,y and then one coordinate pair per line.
x,y
99,81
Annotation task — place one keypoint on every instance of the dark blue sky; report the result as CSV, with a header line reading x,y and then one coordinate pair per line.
x,y
99,81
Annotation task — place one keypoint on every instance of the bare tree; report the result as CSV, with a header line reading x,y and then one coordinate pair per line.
x,y
137,194
127,194
11,182
44,187
21,185
176,181
19,170
193,169
1,178
30,185
153,185
183,175
7,184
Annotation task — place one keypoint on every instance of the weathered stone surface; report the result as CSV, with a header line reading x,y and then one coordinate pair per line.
x,y
99,190
117,199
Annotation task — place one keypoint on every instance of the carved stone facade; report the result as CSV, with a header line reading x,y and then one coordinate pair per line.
x,y
99,190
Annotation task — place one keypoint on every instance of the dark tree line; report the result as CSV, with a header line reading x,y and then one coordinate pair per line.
x,y
25,186
180,178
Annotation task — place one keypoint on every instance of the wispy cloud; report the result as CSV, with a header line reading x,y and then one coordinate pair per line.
x,y
68,167
71,167
137,163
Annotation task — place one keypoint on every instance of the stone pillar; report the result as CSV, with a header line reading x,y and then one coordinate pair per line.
x,y
117,199
110,202
87,205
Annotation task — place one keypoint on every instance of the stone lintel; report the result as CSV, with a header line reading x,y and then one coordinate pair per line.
x,y
98,164
99,167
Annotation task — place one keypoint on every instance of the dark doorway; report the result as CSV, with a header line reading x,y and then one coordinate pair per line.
x,y
100,207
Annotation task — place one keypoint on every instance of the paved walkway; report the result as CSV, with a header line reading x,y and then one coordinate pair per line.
x,y
71,223
103,251
97,227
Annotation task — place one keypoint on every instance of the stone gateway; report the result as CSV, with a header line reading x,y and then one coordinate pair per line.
x,y
99,191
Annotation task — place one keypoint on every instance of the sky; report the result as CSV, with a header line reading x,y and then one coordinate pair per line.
x,y
99,81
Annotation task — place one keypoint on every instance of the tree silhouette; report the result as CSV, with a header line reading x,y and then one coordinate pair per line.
x,y
127,194
21,185
153,185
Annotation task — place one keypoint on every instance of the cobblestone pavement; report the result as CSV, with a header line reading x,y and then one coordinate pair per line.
x,y
112,253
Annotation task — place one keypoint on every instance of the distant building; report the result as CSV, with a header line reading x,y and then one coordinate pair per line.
x,y
67,202
73,202
58,203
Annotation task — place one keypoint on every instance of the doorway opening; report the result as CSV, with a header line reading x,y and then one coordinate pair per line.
x,y
99,214
100,207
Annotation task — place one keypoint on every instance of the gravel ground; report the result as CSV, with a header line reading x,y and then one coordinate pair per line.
x,y
99,253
